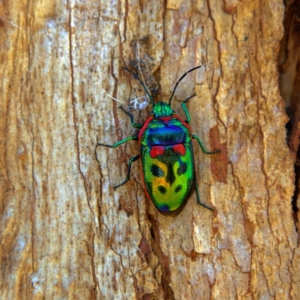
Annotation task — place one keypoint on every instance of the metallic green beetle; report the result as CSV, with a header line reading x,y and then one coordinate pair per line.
x,y
166,151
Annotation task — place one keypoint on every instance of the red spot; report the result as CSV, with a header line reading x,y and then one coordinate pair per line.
x,y
165,119
157,150
179,149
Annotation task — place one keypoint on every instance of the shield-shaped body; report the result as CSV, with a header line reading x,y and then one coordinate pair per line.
x,y
167,161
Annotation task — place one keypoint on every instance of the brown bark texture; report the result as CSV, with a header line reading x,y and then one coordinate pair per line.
x,y
65,232
289,80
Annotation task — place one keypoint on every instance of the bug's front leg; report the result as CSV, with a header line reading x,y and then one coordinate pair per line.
x,y
132,137
202,146
135,125
183,105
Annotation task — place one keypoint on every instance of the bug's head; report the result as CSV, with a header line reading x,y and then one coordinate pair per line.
x,y
162,109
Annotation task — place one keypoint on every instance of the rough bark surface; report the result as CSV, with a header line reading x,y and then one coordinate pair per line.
x,y
289,67
65,232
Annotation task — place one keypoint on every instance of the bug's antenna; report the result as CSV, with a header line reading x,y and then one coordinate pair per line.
x,y
191,70
142,83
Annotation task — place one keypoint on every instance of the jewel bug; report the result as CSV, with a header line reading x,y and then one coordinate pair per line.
x,y
166,152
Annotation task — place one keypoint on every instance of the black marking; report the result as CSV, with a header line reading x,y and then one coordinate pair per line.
x,y
178,188
182,168
170,176
157,171
162,189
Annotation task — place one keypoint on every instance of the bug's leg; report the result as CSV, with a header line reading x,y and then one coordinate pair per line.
x,y
189,71
135,125
130,161
202,146
132,137
183,105
198,196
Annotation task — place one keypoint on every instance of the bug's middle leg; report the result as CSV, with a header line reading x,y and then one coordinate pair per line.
x,y
130,161
202,146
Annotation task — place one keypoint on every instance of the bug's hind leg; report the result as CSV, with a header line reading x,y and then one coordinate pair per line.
x,y
195,181
130,161
135,125
198,196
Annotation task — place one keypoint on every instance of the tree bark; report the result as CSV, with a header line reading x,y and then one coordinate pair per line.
x,y
65,232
